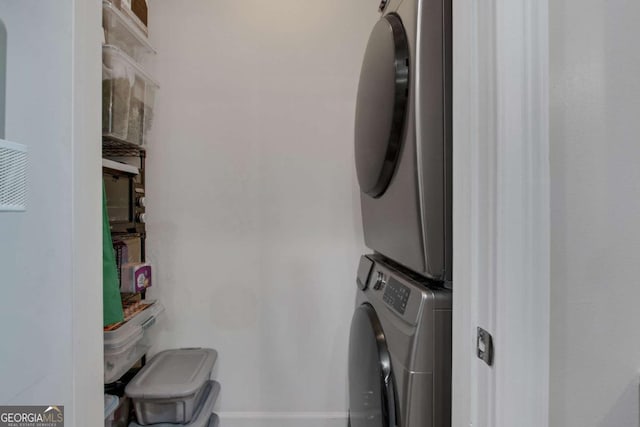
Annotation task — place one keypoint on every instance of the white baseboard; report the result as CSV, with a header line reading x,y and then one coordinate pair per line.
x,y
283,419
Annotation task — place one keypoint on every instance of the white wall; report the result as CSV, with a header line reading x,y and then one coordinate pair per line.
x,y
50,271
595,123
254,218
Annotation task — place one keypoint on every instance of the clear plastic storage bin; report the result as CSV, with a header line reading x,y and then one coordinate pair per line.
x,y
124,6
122,352
116,97
170,387
128,94
146,318
120,31
124,346
203,415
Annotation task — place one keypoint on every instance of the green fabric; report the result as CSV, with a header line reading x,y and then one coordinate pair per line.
x,y
111,302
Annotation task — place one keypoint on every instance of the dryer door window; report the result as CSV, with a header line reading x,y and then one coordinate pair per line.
x,y
372,395
383,94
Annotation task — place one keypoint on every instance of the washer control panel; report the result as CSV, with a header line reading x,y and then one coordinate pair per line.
x,y
396,295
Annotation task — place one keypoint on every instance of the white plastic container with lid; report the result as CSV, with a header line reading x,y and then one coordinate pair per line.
x,y
125,6
146,318
128,94
121,31
203,414
121,351
124,346
169,387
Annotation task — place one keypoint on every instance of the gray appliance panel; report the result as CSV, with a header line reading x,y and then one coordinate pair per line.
x,y
410,222
419,343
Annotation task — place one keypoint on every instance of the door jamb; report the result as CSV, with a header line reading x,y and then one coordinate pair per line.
x,y
501,211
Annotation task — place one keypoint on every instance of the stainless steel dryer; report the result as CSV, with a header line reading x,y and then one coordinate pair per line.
x,y
399,350
403,136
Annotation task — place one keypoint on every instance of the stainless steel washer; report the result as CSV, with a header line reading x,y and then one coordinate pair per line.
x,y
399,350
403,136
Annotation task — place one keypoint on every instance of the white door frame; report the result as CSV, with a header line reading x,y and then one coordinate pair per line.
x,y
88,375
501,211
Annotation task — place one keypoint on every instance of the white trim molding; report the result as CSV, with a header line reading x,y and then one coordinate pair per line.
x,y
86,245
501,211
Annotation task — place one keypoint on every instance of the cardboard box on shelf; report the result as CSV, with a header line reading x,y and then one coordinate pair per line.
x,y
140,8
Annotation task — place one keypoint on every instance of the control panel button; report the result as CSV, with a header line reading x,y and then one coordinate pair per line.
x,y
396,295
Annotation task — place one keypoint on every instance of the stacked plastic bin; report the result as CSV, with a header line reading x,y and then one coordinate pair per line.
x,y
124,346
128,94
128,91
175,388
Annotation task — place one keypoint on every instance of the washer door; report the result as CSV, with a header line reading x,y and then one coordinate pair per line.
x,y
372,397
383,93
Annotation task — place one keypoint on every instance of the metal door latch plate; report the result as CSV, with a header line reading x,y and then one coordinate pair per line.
x,y
484,346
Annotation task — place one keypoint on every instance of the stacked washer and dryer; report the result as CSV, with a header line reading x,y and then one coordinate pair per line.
x,y
400,338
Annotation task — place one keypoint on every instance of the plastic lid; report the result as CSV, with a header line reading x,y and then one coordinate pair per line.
x,y
110,405
142,318
173,374
203,415
110,52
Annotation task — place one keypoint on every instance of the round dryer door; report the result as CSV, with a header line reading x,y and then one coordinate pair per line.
x,y
383,94
371,387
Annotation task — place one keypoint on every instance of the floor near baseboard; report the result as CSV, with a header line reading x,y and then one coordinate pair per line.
x,y
287,419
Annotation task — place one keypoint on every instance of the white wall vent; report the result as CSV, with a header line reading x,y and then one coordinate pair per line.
x,y
13,176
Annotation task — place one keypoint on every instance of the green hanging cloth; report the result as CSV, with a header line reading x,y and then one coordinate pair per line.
x,y
111,302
